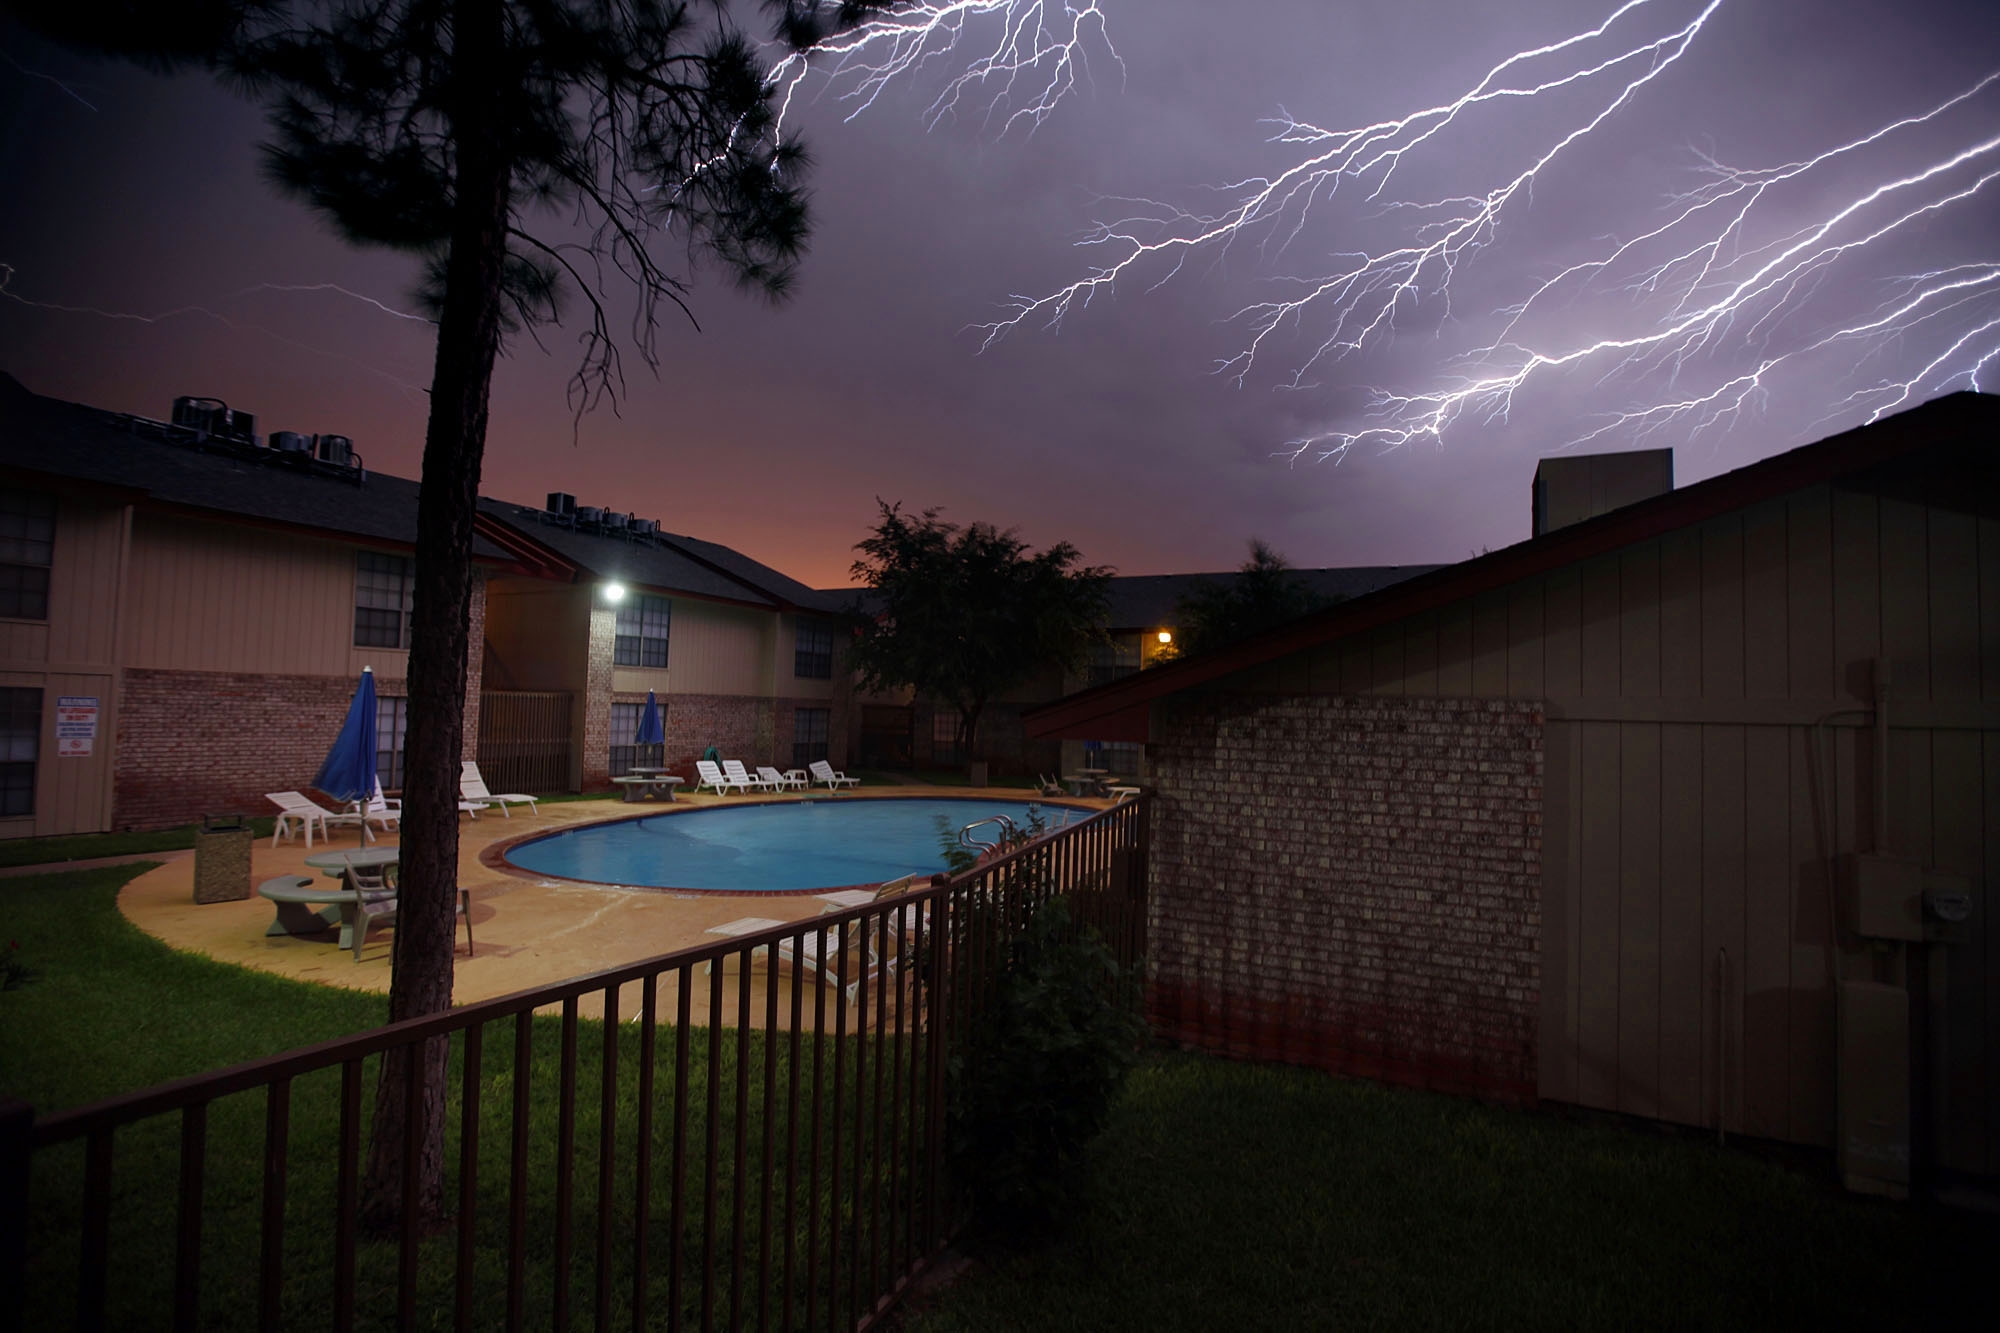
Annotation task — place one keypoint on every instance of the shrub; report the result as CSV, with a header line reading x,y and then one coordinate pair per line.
x,y
1032,1084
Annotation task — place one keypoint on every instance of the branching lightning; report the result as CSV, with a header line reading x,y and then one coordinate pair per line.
x,y
1695,318
1037,51
159,317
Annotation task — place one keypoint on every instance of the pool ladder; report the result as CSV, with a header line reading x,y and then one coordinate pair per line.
x,y
1007,834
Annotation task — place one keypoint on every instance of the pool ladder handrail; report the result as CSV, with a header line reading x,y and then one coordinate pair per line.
x,y
1007,834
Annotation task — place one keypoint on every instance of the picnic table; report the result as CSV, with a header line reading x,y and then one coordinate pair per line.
x,y
1087,781
299,901
653,783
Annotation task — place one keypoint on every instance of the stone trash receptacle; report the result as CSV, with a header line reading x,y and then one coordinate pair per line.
x,y
222,859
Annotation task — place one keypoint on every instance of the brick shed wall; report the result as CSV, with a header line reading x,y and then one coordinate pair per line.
x,y
730,722
1352,883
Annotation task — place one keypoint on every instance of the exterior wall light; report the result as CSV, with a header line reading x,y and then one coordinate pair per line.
x,y
1166,636
614,592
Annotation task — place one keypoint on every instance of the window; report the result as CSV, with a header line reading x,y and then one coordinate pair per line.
x,y
624,754
944,737
809,732
27,547
381,600
813,657
642,632
392,720
20,743
1112,659
1119,758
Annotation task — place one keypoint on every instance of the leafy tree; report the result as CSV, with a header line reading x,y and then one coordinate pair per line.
x,y
1265,592
523,149
966,613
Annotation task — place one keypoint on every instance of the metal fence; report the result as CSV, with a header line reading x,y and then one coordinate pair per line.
x,y
525,739
767,1147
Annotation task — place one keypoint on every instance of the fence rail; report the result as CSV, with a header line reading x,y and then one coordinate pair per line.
x,y
767,1144
525,738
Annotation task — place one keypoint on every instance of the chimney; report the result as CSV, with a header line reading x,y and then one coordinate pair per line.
x,y
1575,487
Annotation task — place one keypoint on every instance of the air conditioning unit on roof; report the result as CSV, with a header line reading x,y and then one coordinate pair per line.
x,y
562,503
590,514
645,527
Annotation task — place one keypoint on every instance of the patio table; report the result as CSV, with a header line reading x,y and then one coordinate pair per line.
x,y
336,864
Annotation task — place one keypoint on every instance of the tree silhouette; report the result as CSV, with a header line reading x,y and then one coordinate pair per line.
x,y
524,150
1266,591
962,614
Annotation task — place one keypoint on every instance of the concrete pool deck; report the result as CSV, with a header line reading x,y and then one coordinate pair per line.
x,y
529,931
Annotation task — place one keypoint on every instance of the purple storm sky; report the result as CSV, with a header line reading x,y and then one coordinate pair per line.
x,y
773,428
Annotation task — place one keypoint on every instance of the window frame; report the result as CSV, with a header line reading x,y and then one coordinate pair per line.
x,y
806,750
385,565
812,649
631,644
945,749
20,730
622,755
26,557
393,712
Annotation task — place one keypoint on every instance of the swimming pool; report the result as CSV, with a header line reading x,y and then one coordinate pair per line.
x,y
788,846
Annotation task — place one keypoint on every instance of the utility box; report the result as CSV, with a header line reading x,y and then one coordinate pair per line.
x,y
1883,896
222,859
1872,1145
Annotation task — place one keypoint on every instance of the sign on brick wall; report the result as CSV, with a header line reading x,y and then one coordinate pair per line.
x,y
76,725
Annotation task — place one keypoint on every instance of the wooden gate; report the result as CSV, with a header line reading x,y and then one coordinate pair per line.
x,y
524,739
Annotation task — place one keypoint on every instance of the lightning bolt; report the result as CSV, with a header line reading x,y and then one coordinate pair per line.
x,y
1707,306
1026,64
7,272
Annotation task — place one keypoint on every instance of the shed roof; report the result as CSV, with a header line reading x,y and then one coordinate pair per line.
x,y
1969,423
76,443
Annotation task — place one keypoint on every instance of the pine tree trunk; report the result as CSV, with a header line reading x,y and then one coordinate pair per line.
x,y
468,340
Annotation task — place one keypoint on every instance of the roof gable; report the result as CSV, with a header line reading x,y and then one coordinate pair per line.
x,y
1959,426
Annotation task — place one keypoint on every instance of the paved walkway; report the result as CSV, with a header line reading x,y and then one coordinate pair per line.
x,y
92,863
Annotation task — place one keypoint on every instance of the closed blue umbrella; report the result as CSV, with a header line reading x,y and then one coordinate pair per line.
x,y
650,730
349,771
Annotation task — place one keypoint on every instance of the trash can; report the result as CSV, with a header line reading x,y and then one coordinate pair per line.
x,y
222,859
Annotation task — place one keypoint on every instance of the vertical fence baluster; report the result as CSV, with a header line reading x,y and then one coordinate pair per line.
x,y
187,1244
859,928
818,1126
676,1208
565,1163
517,1175
642,1183
271,1262
945,926
468,1174
95,1267
792,1136
839,1115
768,1163
739,1187
882,975
415,1062
607,1148
712,1146
347,1195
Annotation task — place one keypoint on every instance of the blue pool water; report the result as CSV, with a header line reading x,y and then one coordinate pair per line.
x,y
824,844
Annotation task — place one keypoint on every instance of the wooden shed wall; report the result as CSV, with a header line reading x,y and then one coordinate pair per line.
x,y
1686,679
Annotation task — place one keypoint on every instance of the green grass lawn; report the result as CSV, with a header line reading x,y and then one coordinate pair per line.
x,y
110,1010
1231,1196
85,846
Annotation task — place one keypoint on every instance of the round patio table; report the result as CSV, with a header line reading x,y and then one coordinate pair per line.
x,y
336,863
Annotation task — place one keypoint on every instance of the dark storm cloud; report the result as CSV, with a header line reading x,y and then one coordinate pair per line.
x,y
774,428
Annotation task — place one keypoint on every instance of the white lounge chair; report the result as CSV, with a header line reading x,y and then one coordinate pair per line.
x,y
472,787
740,779
862,962
298,807
711,776
777,781
823,772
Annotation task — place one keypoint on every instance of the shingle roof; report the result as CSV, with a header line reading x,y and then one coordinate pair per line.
x,y
670,562
86,444
1961,428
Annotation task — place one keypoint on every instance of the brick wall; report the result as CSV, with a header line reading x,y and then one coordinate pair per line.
x,y
730,722
1352,883
210,742
596,703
